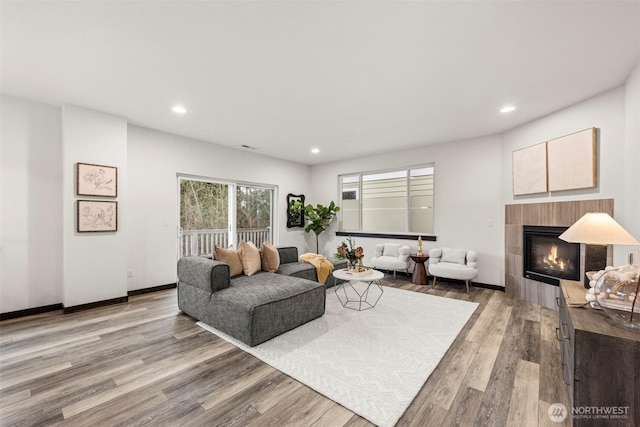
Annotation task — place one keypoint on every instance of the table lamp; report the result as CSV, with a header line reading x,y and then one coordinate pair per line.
x,y
616,290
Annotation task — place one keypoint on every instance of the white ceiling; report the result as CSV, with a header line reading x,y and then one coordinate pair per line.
x,y
344,76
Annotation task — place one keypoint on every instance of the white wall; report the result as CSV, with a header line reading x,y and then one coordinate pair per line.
x,y
605,112
94,264
30,205
632,154
155,158
468,210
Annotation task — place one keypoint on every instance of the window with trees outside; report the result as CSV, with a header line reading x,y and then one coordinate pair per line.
x,y
223,213
391,201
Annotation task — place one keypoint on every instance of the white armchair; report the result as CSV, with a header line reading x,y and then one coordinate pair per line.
x,y
391,256
459,264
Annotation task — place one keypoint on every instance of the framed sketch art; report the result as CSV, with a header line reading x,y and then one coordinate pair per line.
x,y
96,180
97,215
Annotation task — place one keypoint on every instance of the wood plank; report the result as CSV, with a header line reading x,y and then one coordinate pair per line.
x,y
281,392
482,365
122,410
139,381
479,329
336,415
43,352
63,393
31,351
10,381
497,396
236,387
523,410
428,415
19,396
52,331
285,410
237,408
455,373
464,408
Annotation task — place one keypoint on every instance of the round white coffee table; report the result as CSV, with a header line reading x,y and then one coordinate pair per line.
x,y
357,292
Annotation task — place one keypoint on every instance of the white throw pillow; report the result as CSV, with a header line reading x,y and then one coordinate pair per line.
x,y
456,256
391,249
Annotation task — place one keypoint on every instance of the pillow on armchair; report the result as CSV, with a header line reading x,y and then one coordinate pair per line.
x,y
391,249
456,256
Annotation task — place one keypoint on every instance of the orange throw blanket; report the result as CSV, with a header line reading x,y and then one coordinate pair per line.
x,y
323,266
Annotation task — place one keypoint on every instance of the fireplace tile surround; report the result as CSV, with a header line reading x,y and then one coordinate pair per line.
x,y
558,214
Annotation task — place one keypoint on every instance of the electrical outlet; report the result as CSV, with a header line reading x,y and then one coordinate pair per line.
x,y
129,274
490,223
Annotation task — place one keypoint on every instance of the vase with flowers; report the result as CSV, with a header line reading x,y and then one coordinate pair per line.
x,y
348,250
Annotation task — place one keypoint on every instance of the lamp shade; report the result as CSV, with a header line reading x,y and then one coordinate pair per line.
x,y
598,229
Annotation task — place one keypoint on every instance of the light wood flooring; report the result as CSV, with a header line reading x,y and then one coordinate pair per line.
x,y
145,363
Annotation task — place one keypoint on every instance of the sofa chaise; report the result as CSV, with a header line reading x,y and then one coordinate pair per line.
x,y
256,308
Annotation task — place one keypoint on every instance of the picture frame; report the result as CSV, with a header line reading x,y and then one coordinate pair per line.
x,y
572,161
96,180
295,210
94,216
529,170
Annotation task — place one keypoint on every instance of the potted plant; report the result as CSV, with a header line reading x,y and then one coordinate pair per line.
x,y
348,250
319,218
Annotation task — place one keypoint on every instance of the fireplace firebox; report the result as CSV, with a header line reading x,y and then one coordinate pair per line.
x,y
547,258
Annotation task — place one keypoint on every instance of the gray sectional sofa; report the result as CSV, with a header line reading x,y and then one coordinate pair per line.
x,y
256,308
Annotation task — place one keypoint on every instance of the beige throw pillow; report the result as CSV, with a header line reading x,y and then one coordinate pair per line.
x,y
250,257
230,257
270,257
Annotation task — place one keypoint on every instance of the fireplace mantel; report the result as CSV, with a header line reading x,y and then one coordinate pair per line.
x,y
557,214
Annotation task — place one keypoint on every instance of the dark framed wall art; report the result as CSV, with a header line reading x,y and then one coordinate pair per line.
x,y
96,180
295,210
97,216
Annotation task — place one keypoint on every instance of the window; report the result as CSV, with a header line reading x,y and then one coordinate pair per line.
x,y
253,213
394,201
219,213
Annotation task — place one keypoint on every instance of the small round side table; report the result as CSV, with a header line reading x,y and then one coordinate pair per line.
x,y
358,298
419,276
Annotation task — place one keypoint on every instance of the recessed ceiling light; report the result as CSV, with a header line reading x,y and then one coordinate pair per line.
x,y
179,109
507,109
315,150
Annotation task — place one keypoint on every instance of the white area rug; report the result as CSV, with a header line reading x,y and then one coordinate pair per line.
x,y
372,362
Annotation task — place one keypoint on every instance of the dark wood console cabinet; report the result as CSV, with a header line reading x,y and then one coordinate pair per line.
x,y
600,362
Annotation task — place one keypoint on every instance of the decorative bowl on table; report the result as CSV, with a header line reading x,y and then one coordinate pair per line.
x,y
616,292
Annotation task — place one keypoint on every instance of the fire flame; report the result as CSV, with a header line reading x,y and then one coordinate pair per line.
x,y
552,259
